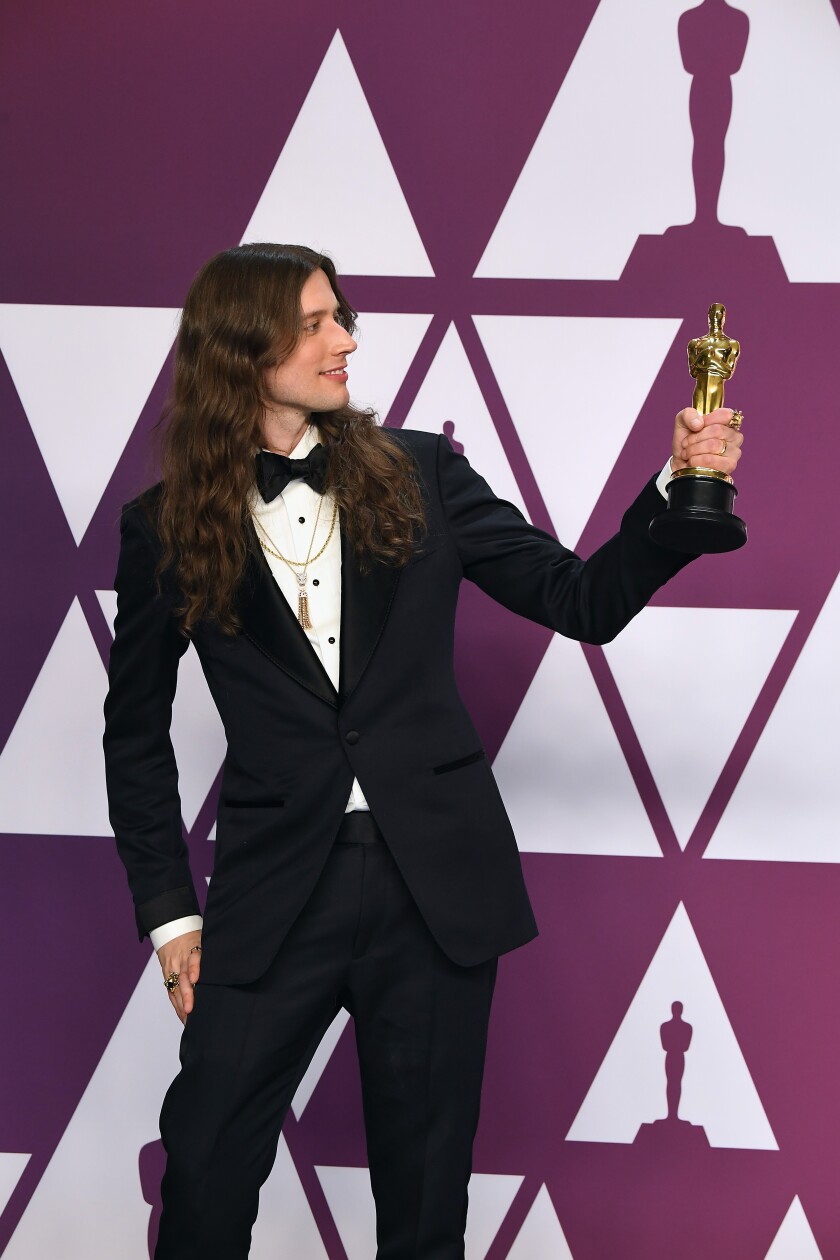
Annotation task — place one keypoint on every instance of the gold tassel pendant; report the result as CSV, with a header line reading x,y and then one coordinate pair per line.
x,y
303,610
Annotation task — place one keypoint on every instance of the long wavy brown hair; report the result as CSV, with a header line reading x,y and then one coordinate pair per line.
x,y
243,315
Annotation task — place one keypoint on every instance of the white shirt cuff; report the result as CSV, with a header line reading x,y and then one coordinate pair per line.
x,y
175,927
663,479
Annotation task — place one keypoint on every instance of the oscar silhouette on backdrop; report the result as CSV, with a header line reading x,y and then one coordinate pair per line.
x,y
449,432
713,38
150,1164
675,1035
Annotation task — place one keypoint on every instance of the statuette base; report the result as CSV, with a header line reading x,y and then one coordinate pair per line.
x,y
699,518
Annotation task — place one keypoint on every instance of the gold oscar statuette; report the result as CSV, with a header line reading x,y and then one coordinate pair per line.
x,y
699,516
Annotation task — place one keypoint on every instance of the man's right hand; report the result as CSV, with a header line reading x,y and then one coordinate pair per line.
x,y
181,957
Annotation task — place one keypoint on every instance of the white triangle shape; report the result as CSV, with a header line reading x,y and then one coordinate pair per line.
x,y
83,374
350,1200
491,1195
681,723
88,1202
387,346
365,225
450,395
285,1228
11,1169
541,1236
717,1089
580,204
349,1197
558,377
197,733
774,114
198,737
319,1061
786,806
570,795
794,1241
108,604
57,741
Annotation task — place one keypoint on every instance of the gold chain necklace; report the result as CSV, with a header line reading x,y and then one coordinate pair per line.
x,y
293,565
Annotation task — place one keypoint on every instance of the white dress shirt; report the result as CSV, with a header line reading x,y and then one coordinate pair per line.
x,y
296,524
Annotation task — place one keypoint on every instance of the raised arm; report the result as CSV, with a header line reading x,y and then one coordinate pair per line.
x,y
536,576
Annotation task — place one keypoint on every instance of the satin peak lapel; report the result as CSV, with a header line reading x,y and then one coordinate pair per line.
x,y
366,600
270,624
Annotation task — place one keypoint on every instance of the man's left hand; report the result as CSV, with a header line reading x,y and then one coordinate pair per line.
x,y
706,441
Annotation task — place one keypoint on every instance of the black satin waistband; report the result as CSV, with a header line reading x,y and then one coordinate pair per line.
x,y
359,827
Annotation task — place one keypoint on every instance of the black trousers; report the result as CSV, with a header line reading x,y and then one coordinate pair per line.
x,y
421,1032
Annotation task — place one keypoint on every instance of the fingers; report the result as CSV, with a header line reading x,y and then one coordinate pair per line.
x,y
185,992
180,959
189,979
689,419
194,965
714,444
717,447
686,423
182,996
177,1000
180,992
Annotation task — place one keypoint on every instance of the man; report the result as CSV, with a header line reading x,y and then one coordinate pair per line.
x,y
363,855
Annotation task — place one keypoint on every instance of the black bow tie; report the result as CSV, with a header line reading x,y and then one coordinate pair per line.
x,y
274,472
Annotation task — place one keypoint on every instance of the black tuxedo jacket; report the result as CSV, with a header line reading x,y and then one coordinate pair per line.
x,y
396,723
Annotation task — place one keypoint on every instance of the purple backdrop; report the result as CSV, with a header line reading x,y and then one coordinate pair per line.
x,y
137,143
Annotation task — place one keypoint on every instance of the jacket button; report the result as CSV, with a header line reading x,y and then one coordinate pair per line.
x,y
352,737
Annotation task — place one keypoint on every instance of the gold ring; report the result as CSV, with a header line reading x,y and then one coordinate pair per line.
x,y
196,949
736,421
722,451
171,981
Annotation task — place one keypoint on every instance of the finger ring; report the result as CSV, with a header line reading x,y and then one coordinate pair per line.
x,y
196,949
171,981
722,450
736,421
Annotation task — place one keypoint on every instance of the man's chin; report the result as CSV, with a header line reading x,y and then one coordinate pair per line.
x,y
337,398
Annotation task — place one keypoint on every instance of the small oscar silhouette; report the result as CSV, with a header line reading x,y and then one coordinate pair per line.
x,y
449,432
151,1163
675,1036
699,517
